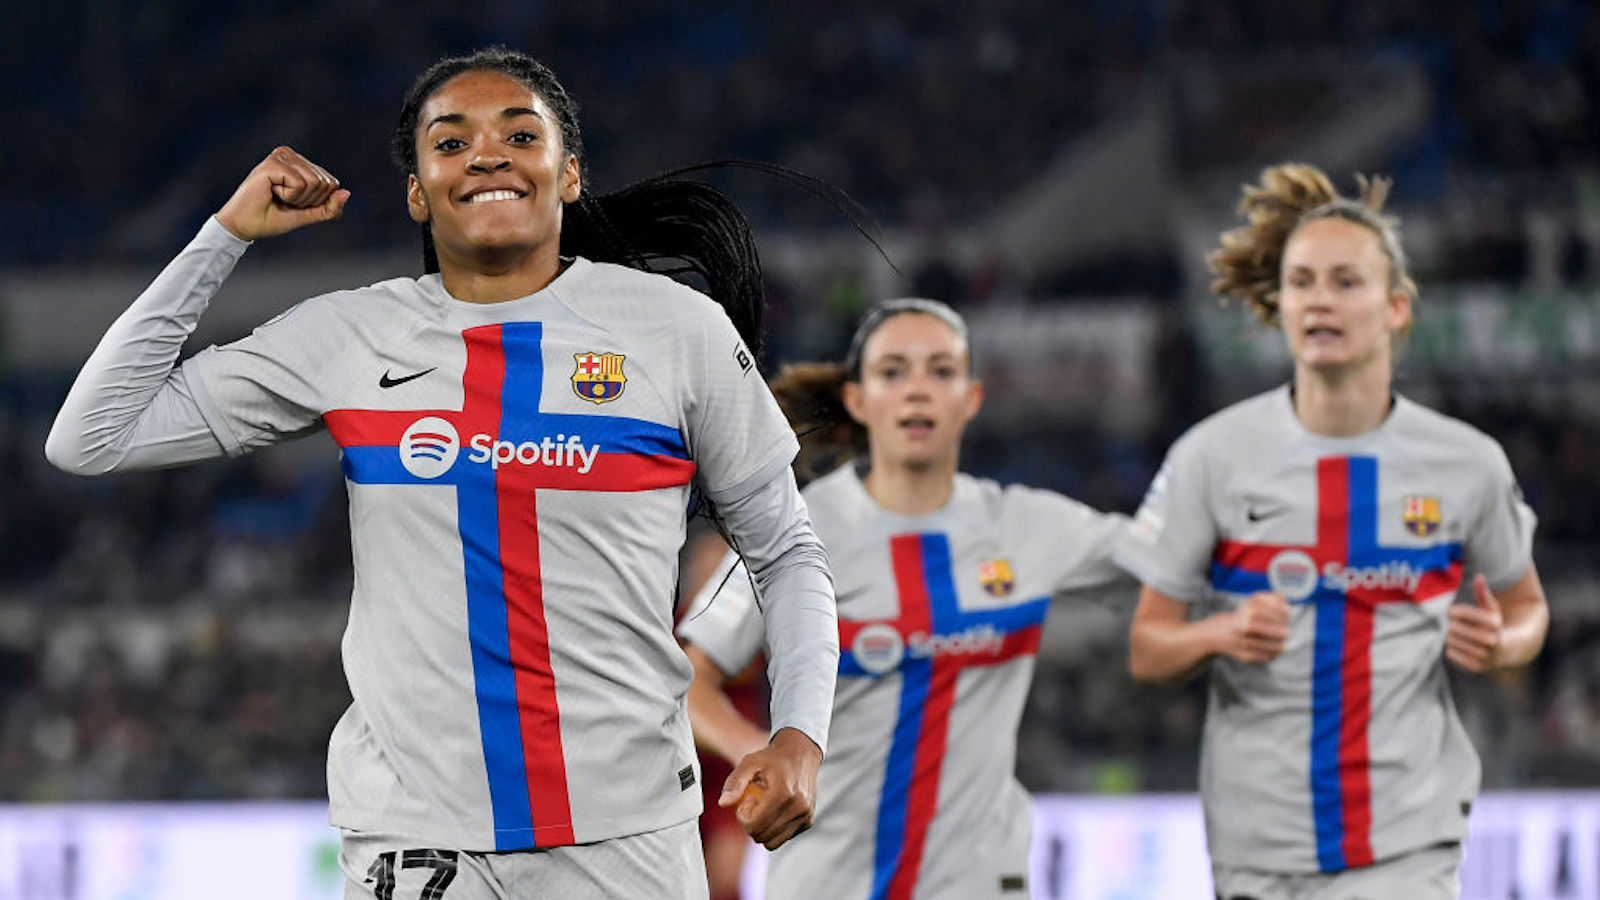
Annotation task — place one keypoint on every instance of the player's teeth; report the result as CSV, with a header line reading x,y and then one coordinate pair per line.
x,y
494,195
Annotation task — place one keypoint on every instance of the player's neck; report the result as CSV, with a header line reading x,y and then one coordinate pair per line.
x,y
1343,404
910,490
493,280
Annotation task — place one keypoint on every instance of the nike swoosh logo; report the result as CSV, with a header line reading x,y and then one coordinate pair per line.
x,y
1255,515
385,381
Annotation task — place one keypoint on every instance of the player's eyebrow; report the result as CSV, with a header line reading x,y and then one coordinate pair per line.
x,y
510,112
1338,268
903,359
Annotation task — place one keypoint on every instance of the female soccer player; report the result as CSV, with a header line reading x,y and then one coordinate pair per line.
x,y
943,581
1306,546
520,428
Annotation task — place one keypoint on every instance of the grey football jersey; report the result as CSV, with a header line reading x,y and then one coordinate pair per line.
x,y
939,621
1346,749
518,476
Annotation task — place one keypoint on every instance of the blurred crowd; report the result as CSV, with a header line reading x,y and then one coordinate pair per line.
x,y
141,117
175,635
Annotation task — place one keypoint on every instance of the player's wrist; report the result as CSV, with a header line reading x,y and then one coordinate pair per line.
x,y
794,741
1216,635
749,740
231,224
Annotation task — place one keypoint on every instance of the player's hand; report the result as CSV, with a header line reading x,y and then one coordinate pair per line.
x,y
1257,629
284,192
775,788
1475,631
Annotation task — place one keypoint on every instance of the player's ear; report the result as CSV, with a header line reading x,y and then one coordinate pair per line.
x,y
850,395
416,200
1399,310
571,183
974,399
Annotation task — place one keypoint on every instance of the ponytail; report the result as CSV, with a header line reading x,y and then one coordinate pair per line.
x,y
675,227
1248,265
811,396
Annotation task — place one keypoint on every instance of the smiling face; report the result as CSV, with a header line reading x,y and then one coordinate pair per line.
x,y
491,174
916,392
1336,305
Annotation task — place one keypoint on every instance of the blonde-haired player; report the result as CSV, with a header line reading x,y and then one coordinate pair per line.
x,y
1306,546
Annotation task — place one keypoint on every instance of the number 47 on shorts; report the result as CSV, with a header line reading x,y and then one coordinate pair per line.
x,y
442,862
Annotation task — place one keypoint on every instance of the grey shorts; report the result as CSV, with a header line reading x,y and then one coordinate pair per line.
x,y
1432,873
667,864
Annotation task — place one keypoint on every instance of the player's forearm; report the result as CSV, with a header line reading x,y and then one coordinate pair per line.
x,y
1526,620
124,411
803,662
1162,651
802,627
1521,643
718,725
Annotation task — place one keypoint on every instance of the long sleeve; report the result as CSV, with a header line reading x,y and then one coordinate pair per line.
x,y
128,408
723,619
790,567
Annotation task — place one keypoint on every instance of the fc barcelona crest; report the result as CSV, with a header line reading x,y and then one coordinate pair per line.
x,y
598,377
995,576
1421,514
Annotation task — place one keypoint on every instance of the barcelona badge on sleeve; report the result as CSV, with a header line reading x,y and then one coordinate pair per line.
x,y
598,377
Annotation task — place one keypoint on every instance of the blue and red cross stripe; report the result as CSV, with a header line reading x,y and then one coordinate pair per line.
x,y
518,713
1341,674
929,607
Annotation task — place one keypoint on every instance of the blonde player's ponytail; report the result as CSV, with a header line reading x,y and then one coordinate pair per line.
x,y
1247,266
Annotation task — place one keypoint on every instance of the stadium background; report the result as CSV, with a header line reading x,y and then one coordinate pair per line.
x,y
1055,170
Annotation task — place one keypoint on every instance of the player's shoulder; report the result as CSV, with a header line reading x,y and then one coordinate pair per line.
x,y
1264,411
982,498
1427,432
1028,502
838,503
834,490
1261,420
362,307
646,299
984,504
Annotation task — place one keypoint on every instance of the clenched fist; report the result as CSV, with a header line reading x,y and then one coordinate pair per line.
x,y
1257,629
284,192
774,790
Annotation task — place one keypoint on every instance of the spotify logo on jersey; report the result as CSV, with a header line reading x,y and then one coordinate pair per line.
x,y
878,648
1293,574
428,448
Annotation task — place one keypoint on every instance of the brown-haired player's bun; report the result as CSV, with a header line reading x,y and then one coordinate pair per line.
x,y
811,395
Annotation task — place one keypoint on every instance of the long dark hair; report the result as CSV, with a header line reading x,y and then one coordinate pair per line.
x,y
663,224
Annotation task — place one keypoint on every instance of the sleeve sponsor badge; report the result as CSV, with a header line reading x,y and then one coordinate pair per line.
x,y
598,377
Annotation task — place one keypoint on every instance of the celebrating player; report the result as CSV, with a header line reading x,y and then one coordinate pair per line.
x,y
519,429
943,581
1306,545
